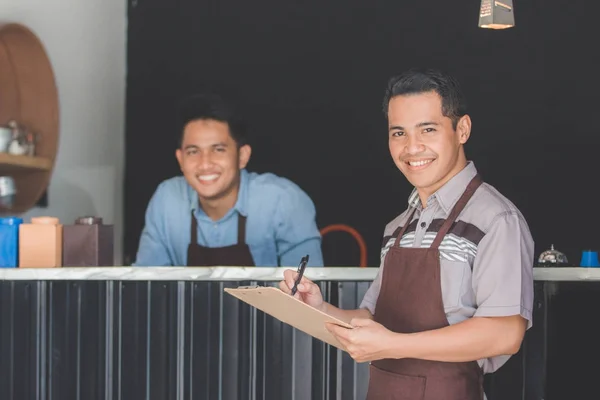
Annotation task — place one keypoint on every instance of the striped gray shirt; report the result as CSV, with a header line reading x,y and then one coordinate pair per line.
x,y
486,259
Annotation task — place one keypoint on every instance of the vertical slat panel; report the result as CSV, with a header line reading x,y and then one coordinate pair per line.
x,y
59,342
92,359
204,320
112,334
188,343
302,365
134,340
41,336
178,330
244,353
157,346
7,346
273,379
23,342
183,341
229,328
260,362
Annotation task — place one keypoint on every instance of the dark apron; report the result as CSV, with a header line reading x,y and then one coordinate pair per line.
x,y
411,301
236,255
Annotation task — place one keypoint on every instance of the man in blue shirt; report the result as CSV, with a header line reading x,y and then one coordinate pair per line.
x,y
218,213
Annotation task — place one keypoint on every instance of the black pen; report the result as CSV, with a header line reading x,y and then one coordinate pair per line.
x,y
300,271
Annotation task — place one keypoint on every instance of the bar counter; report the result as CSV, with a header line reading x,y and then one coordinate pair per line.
x,y
172,333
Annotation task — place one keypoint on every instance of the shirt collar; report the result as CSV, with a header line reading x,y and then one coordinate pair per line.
x,y
447,195
241,204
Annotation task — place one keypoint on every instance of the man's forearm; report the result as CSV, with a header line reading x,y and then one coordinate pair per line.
x,y
470,340
345,315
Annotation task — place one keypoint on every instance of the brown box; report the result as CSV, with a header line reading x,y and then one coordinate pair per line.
x,y
88,243
40,243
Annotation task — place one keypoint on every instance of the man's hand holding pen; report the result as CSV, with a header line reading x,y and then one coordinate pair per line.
x,y
307,291
368,340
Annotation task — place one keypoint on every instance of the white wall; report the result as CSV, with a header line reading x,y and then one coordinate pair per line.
x,y
86,43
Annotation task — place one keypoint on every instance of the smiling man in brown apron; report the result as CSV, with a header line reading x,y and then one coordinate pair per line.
x,y
454,293
218,213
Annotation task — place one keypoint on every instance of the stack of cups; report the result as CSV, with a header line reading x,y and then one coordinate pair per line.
x,y
589,259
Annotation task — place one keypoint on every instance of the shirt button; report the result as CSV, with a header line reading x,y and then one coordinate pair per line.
x,y
423,224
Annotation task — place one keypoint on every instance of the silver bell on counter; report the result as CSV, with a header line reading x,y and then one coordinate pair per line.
x,y
552,258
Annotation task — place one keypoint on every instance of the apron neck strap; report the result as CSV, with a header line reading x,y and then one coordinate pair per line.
x,y
401,233
457,209
241,229
194,229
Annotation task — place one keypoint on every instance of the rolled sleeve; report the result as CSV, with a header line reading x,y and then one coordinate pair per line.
x,y
370,300
503,269
297,233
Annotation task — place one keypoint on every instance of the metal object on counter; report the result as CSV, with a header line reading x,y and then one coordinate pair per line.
x,y
88,220
552,258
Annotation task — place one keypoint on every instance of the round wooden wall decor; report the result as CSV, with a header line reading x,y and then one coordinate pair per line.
x,y
28,95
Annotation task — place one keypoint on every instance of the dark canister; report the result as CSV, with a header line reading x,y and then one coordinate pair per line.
x,y
88,243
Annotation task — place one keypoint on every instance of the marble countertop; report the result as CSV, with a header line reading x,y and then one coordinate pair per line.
x,y
243,273
184,273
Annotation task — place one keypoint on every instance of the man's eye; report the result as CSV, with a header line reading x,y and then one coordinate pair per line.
x,y
398,133
429,130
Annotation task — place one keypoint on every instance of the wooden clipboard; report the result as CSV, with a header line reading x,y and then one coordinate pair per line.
x,y
290,310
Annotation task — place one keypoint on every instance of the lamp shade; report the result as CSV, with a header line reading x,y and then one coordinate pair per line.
x,y
496,14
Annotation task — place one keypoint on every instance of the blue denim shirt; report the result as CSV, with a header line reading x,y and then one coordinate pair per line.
x,y
280,226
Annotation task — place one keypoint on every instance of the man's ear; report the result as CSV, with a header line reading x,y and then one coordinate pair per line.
x,y
244,155
463,129
179,156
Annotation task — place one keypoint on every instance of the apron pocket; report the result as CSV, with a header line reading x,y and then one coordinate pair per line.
x,y
384,385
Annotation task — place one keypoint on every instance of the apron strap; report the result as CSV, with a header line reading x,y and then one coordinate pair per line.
x,y
194,230
456,210
408,221
241,229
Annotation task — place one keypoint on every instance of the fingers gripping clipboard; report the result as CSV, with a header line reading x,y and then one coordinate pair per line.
x,y
290,310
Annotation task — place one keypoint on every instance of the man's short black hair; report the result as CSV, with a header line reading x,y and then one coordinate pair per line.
x,y
211,106
416,81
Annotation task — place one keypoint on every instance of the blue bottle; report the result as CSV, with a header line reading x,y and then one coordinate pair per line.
x,y
9,242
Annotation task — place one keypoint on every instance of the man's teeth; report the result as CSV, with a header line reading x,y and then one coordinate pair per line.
x,y
419,163
208,177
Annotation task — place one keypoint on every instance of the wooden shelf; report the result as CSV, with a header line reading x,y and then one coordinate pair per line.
x,y
29,96
14,163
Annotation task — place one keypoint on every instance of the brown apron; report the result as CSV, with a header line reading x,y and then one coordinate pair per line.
x,y
411,301
236,255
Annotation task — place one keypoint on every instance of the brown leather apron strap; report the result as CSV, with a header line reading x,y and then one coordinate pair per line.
x,y
401,233
241,229
194,230
460,205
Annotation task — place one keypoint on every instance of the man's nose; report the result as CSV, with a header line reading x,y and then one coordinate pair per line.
x,y
414,144
205,160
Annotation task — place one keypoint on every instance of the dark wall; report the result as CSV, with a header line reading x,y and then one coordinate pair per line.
x,y
311,76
